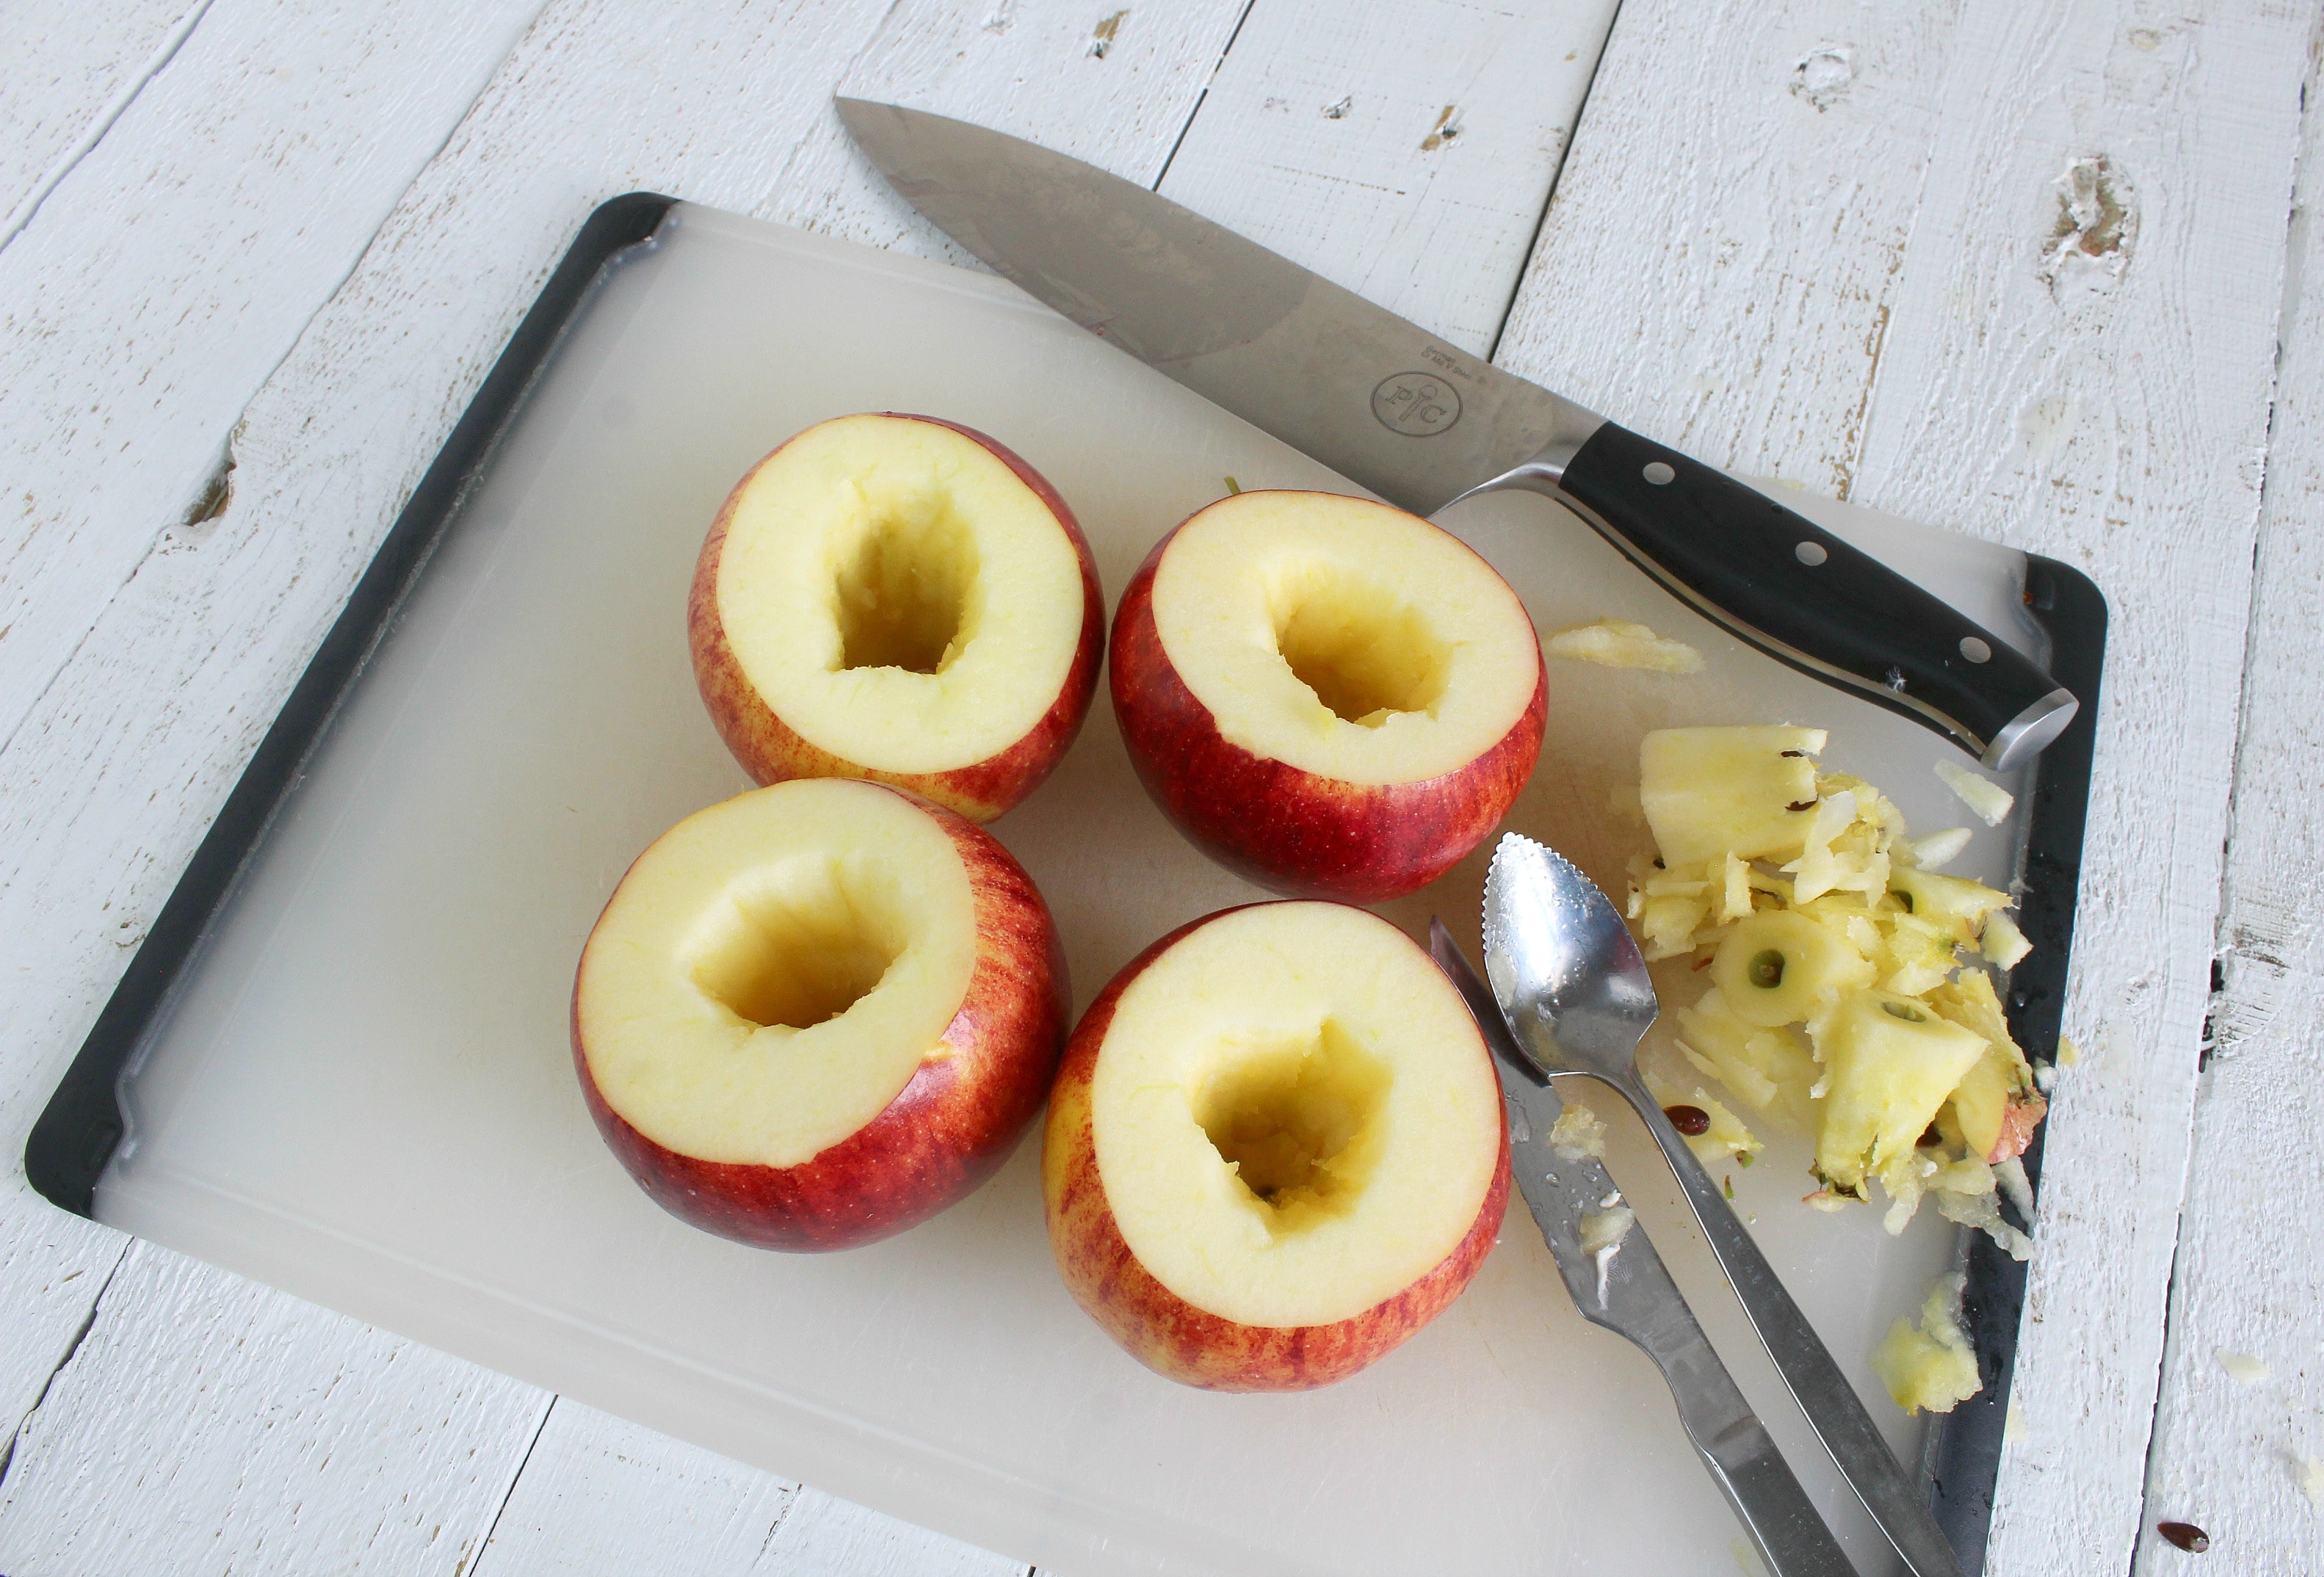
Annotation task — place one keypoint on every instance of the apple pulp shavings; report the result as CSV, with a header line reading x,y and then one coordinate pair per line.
x,y
1844,998
1602,1232
1577,1134
1726,1139
1605,1229
1930,1367
1618,643
1989,799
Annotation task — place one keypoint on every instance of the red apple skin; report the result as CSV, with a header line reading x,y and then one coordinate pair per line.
x,y
948,1130
1153,1325
2020,1116
1286,829
772,751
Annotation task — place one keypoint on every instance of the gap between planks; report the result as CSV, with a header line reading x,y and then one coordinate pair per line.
x,y
103,121
64,1361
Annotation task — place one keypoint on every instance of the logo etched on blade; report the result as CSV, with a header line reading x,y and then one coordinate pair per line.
x,y
1418,404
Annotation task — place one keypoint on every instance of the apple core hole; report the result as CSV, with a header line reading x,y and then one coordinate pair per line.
x,y
1365,652
902,585
801,945
1297,1120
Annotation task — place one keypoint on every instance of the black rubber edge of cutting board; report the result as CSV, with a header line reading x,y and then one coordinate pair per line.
x,y
83,1123
1963,1449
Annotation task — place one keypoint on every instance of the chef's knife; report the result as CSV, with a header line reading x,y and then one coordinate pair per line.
x,y
1420,423
1627,1289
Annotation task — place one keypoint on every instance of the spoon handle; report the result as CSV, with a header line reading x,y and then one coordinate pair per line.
x,y
1832,1407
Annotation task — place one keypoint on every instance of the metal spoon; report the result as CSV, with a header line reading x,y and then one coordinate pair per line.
x,y
1627,1289
1569,978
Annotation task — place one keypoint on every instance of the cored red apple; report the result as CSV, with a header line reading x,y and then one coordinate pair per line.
x,y
900,599
1332,697
819,1013
1274,1148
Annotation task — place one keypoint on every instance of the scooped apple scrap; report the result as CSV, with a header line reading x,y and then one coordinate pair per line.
x,y
1618,643
1577,1134
1930,1367
1840,1002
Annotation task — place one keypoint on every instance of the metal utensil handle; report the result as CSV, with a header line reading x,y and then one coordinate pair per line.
x,y
1832,1407
1748,1470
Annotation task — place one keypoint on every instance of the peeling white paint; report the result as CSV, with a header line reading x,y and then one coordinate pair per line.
x,y
1825,75
2097,223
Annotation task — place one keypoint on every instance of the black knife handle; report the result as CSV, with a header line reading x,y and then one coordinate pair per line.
x,y
1808,599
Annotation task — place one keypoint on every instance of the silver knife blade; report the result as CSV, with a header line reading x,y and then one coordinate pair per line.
x,y
1627,1289
1422,423
1245,328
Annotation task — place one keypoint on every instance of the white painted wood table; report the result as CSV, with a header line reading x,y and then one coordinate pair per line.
x,y
2036,271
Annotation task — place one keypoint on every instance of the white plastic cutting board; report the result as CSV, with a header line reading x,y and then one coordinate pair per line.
x,y
364,1095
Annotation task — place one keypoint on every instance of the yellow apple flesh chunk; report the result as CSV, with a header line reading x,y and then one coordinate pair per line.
x,y
1891,1063
1930,1367
1711,792
1777,967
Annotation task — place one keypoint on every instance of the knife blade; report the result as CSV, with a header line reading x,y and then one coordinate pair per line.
x,y
1422,423
1626,1289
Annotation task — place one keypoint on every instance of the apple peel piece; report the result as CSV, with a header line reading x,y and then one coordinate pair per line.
x,y
1275,1150
819,1013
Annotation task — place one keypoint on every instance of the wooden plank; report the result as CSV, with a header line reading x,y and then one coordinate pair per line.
x,y
168,273
259,1435
52,1268
828,1537
1407,161
163,279
73,68
2231,1449
2108,403
1878,310
1721,262
600,1494
1112,85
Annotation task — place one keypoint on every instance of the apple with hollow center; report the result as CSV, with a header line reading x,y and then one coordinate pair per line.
x,y
901,599
1275,1150
1332,697
819,1013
